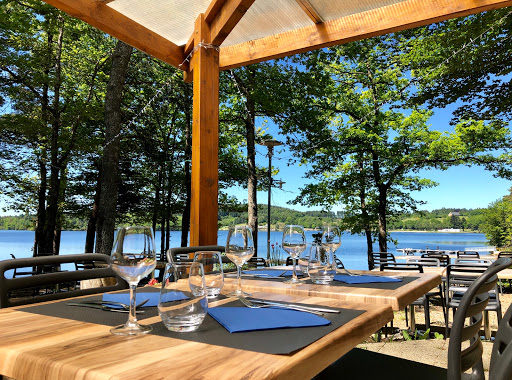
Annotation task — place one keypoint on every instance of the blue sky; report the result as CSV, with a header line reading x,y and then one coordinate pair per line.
x,y
459,187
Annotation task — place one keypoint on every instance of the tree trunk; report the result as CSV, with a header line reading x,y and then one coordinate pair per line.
x,y
185,219
383,240
93,218
110,162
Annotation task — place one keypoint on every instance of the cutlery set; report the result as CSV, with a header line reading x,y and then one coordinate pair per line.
x,y
108,306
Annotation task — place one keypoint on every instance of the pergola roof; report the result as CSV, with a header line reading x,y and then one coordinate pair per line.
x,y
250,31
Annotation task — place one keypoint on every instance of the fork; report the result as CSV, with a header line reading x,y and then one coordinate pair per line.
x,y
123,305
249,304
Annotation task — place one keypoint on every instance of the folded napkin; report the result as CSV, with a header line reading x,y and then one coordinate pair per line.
x,y
240,319
270,272
152,296
363,279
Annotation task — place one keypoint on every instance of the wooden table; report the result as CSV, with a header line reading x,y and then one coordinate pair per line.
x,y
34,346
398,298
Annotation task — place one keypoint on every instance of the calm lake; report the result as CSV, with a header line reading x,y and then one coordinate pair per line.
x,y
352,251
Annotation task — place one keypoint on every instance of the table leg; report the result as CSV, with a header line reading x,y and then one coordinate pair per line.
x,y
412,318
487,325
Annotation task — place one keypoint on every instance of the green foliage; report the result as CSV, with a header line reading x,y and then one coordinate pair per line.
x,y
497,224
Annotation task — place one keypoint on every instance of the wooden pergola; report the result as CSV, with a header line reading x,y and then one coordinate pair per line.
x,y
246,32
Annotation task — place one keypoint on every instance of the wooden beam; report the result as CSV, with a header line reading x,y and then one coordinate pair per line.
x,y
106,19
310,11
205,139
226,19
400,16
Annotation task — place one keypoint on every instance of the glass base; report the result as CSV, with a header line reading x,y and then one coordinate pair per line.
x,y
131,329
238,293
294,281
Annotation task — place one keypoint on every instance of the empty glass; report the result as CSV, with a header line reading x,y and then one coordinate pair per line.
x,y
213,273
303,260
239,249
183,303
133,258
321,266
294,243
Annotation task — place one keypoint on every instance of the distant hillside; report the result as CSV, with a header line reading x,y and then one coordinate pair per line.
x,y
467,219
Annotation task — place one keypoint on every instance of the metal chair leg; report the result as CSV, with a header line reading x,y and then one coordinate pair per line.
x,y
487,325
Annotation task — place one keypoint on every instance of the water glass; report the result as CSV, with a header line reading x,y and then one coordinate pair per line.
x,y
303,260
183,303
321,265
213,273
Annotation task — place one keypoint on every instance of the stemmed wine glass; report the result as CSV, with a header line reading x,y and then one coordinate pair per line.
x,y
133,258
239,249
331,238
294,243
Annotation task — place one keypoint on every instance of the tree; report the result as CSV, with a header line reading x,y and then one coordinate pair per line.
x,y
497,225
371,140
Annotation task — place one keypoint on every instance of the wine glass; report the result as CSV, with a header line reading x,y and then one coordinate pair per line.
x,y
239,249
294,243
331,238
133,257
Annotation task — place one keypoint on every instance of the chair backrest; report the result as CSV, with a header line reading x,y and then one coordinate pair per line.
x,y
505,254
501,357
444,260
471,306
401,267
9,287
339,263
473,254
425,261
183,253
473,261
257,262
382,258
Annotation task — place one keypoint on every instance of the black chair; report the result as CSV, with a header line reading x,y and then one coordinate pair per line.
x,y
183,253
380,258
459,278
27,290
505,254
366,365
257,262
339,263
444,260
468,254
423,300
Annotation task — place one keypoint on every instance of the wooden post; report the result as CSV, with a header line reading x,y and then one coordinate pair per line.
x,y
205,139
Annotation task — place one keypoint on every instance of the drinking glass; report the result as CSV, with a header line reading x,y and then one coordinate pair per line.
x,y
183,303
133,258
213,273
331,238
239,249
294,243
303,260
321,266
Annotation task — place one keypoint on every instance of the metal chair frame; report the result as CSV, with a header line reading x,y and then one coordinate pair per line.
x,y
8,285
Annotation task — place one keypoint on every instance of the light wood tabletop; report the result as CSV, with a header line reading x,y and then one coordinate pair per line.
x,y
398,298
35,346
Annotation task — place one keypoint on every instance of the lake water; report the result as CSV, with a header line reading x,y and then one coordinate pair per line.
x,y
352,251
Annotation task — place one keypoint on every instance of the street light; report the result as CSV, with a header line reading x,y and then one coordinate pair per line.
x,y
270,144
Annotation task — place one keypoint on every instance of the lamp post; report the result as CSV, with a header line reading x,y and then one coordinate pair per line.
x,y
270,144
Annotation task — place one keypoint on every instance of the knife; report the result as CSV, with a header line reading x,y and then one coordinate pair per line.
x,y
101,307
314,308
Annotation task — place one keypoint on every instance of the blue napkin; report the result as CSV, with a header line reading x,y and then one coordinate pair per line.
x,y
240,319
289,273
270,272
364,279
153,298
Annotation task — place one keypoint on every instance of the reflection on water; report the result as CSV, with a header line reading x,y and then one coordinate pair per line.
x,y
352,251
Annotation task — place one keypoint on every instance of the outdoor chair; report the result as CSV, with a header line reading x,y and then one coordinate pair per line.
x,y
339,263
183,254
257,262
505,254
425,261
468,254
355,364
444,260
458,279
380,258
423,300
26,290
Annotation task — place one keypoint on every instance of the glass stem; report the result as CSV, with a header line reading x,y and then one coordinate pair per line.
x,y
133,317
294,269
239,271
